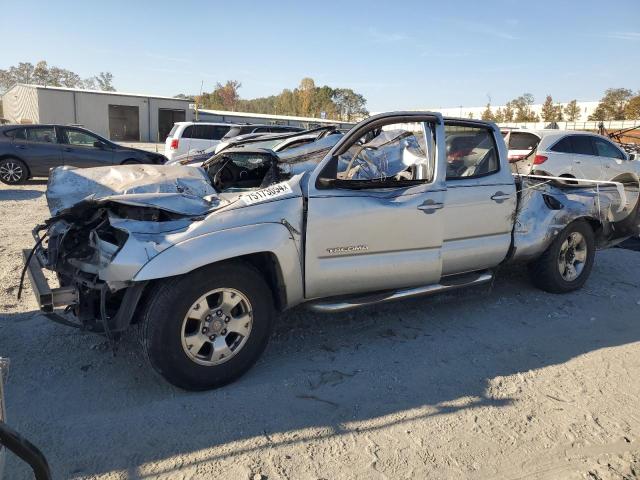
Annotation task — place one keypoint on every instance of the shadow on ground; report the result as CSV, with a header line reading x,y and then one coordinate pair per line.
x,y
91,412
19,194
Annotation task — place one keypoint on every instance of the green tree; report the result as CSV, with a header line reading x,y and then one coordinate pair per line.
x,y
43,74
522,107
632,109
487,114
350,105
306,93
105,81
549,110
572,111
508,112
612,105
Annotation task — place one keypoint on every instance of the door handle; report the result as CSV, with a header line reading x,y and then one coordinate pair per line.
x,y
429,206
21,147
578,161
500,197
67,149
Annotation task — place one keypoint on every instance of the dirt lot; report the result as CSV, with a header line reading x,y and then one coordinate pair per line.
x,y
508,383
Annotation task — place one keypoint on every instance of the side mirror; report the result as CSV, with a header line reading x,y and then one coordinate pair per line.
x,y
633,156
98,144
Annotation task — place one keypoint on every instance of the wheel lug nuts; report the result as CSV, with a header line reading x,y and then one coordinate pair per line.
x,y
227,319
208,317
219,313
224,331
212,337
205,330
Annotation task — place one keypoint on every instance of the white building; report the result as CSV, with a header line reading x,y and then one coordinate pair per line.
x,y
586,109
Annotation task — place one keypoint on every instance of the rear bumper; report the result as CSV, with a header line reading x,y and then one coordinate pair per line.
x,y
48,298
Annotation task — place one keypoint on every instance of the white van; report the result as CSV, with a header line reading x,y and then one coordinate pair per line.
x,y
185,137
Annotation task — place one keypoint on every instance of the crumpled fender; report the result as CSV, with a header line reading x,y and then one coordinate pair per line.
x,y
203,250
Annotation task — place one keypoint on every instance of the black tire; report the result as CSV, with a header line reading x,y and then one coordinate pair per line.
x,y
162,324
545,271
13,171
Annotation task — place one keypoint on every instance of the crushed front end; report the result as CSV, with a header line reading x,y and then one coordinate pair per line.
x,y
106,224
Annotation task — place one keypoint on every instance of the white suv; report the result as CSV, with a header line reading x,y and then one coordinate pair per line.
x,y
185,137
571,154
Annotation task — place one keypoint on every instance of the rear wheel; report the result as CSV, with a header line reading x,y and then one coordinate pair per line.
x,y
13,171
567,263
207,328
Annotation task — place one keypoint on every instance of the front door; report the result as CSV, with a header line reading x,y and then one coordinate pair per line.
x,y
82,149
480,202
613,160
374,219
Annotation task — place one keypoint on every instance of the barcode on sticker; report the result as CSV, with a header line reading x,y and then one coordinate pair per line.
x,y
268,193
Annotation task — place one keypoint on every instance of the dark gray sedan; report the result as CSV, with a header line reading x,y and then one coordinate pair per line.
x,y
32,150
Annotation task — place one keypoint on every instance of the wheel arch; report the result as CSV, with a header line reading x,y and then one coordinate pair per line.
x,y
272,251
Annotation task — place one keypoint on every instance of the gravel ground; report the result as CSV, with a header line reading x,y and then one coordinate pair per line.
x,y
505,383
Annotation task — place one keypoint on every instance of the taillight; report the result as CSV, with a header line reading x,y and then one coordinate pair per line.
x,y
539,159
174,144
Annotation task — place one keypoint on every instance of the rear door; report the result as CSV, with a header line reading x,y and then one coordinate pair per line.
x,y
39,147
375,217
83,149
586,163
480,199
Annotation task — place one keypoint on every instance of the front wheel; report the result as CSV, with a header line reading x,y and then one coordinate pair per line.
x,y
207,328
567,263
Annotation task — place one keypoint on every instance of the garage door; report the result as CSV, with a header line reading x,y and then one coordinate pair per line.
x,y
166,118
124,123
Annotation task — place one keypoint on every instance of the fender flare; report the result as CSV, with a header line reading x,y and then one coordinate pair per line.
x,y
186,256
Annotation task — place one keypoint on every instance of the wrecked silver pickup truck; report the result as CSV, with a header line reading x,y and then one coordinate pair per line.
x,y
404,204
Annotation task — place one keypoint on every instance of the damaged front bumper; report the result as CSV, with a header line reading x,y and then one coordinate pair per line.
x,y
87,303
48,298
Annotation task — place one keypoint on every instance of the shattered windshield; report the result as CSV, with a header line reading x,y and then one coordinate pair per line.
x,y
394,152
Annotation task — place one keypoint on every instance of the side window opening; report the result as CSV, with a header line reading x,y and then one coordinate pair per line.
x,y
391,154
188,131
471,152
41,134
563,146
582,145
606,149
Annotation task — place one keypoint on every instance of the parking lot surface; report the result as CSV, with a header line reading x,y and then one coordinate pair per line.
x,y
503,382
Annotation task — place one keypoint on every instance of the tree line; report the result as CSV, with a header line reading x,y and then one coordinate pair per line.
x,y
43,74
307,100
615,104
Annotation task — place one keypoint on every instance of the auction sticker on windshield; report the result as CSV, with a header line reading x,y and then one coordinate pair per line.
x,y
274,191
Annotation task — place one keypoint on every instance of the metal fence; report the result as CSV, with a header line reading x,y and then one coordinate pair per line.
x,y
590,126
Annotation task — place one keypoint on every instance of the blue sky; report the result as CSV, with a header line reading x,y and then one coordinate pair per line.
x,y
399,54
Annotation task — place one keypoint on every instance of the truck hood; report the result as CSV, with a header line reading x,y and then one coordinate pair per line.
x,y
173,188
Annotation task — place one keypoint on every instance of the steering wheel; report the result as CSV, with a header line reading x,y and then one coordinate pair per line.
x,y
224,176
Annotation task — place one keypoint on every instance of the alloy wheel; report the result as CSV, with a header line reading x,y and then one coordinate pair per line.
x,y
217,326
